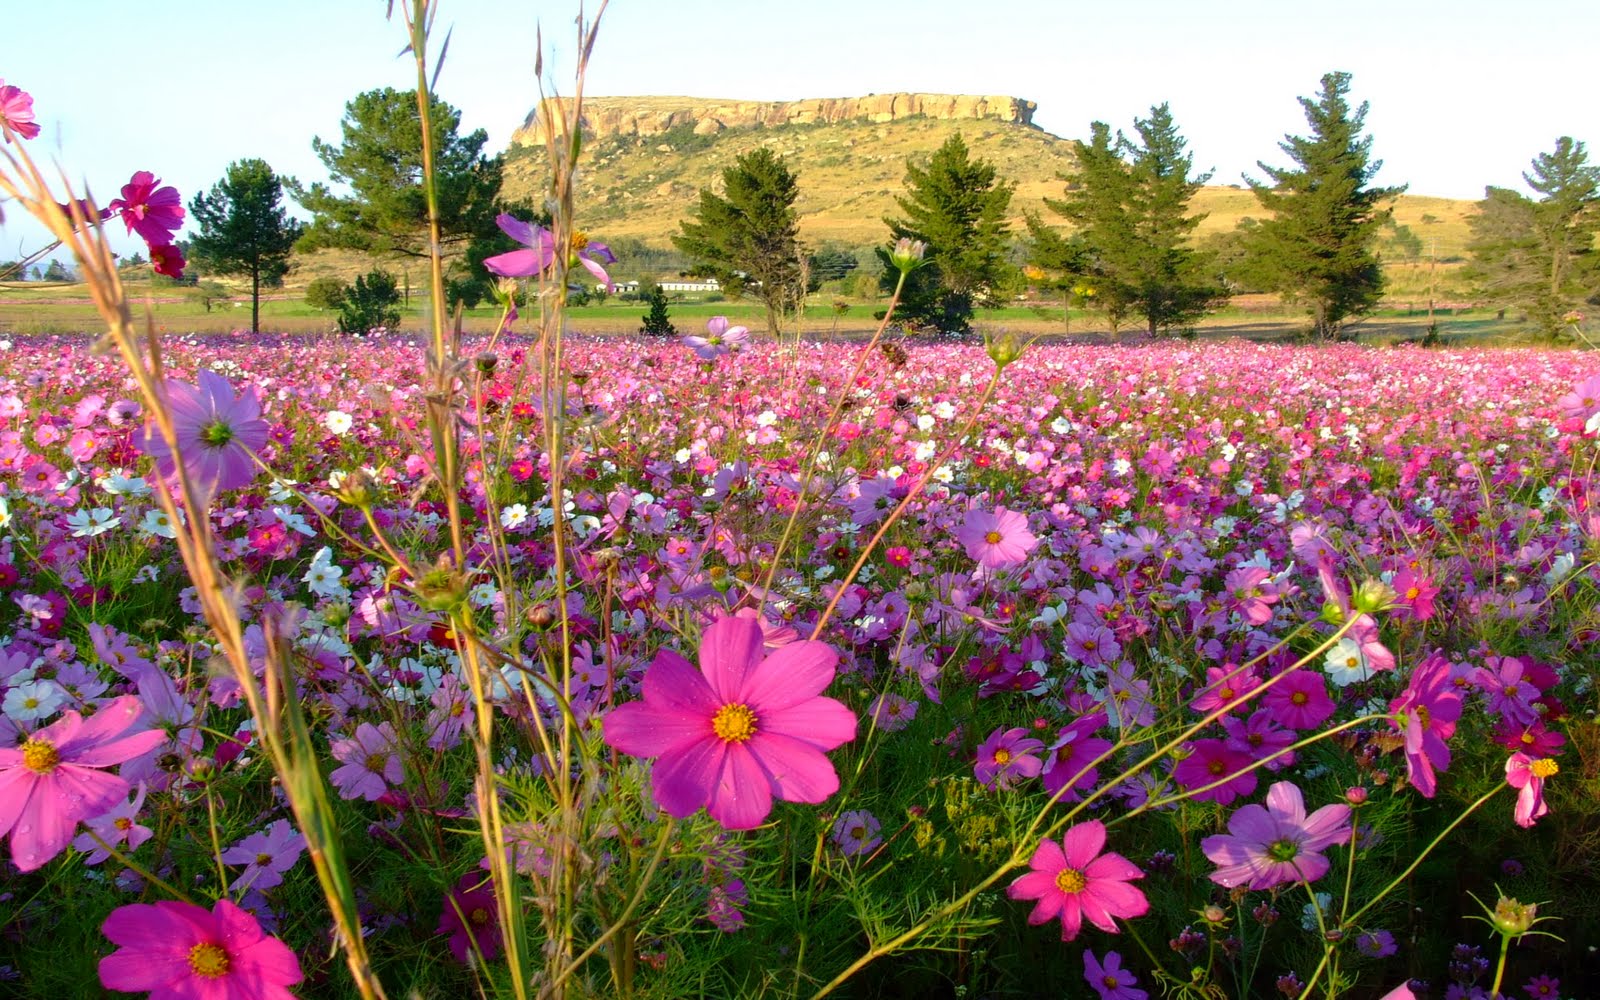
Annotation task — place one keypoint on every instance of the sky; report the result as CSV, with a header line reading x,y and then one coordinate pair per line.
x,y
1463,93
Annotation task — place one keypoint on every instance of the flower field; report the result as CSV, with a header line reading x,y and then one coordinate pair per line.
x,y
1171,671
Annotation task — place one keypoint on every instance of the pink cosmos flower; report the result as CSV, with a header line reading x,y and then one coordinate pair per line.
x,y
266,855
1073,880
217,433
1416,593
1299,701
1527,775
16,112
371,763
1210,761
1583,402
52,781
1426,712
1110,979
472,919
740,731
155,213
1224,686
720,339
996,540
179,951
119,828
541,252
1251,592
167,260
1278,844
1075,748
1008,754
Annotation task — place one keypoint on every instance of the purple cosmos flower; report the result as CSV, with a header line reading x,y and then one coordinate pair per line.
x,y
720,339
1110,979
740,731
996,540
541,252
1426,713
1008,754
1260,736
856,833
1073,880
1210,761
891,712
1074,748
120,826
1091,643
1376,944
1542,986
266,854
1509,692
218,432
1277,844
1250,592
371,763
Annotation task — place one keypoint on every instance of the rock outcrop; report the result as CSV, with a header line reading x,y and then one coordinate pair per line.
x,y
647,116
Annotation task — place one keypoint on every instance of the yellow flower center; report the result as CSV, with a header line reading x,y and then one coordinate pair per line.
x,y
1217,767
1002,756
580,240
375,763
1352,662
1071,881
263,859
479,917
209,960
734,723
40,756
1544,767
1412,593
993,538
1299,698
122,823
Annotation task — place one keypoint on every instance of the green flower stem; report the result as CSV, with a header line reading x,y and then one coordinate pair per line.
x,y
139,870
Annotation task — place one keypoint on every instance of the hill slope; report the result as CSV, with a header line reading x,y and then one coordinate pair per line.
x,y
646,158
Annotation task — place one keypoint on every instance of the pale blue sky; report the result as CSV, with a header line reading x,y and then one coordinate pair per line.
x,y
1463,93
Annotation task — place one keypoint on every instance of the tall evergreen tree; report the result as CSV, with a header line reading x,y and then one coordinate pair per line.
x,y
957,206
748,237
1129,202
244,229
386,211
1539,256
1317,247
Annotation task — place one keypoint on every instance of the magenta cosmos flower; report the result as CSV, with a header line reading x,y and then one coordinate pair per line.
x,y
1210,761
1073,880
16,112
217,433
472,919
1527,775
1426,713
155,213
720,339
1007,755
179,951
996,540
1277,844
540,252
740,731
51,782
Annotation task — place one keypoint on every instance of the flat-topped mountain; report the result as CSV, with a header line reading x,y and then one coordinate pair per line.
x,y
648,116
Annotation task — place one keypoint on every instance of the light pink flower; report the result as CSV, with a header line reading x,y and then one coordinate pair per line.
x,y
996,540
740,731
217,433
179,951
52,781
720,339
540,252
1073,880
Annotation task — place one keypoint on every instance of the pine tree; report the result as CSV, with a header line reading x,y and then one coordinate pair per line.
x,y
957,206
748,237
657,322
1317,247
1539,256
245,230
1130,203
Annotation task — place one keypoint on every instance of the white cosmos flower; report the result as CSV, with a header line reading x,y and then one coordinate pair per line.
x,y
88,523
338,422
122,486
514,516
1346,664
33,700
156,522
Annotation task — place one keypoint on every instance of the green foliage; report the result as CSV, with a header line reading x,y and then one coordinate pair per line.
x,y
245,230
56,272
657,322
370,303
748,237
1129,203
957,206
386,212
829,264
1539,256
326,292
1318,245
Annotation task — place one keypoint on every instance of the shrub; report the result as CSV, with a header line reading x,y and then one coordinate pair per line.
x,y
326,293
657,322
370,304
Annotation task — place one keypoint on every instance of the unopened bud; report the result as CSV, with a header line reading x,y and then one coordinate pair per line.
x,y
1514,918
443,587
1004,348
1373,595
908,254
358,489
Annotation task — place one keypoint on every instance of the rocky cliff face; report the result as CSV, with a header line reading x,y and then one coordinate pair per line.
x,y
647,116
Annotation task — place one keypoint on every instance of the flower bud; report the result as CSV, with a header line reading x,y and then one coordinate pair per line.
x,y
1373,595
1514,918
1004,348
1356,796
358,489
908,254
443,587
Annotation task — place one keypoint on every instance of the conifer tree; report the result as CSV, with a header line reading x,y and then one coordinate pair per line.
x,y
1317,247
245,230
748,237
957,206
1539,256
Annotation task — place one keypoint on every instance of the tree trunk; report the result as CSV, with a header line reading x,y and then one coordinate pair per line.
x,y
255,300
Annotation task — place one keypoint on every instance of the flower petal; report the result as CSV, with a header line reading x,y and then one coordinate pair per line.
x,y
729,650
684,780
643,730
1083,842
1284,798
672,682
821,722
797,770
515,264
742,799
789,676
